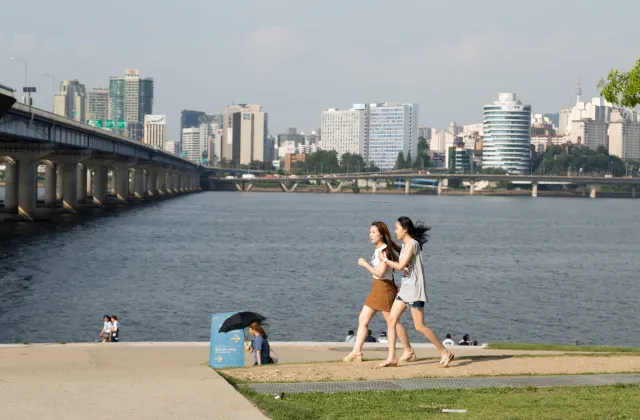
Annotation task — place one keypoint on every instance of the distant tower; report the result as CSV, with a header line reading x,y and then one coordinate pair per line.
x,y
578,91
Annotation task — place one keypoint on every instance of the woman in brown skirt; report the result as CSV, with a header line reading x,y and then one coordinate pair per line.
x,y
383,292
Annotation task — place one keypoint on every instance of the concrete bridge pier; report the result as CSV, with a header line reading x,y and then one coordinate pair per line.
x,y
440,187
534,189
82,183
50,184
162,183
375,186
27,187
122,183
594,189
633,191
584,190
407,186
152,182
472,187
58,182
138,184
11,185
100,182
70,186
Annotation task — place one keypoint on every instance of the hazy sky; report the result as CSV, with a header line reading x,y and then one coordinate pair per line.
x,y
296,58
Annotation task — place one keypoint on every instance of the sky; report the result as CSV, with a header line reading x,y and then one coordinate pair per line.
x,y
297,58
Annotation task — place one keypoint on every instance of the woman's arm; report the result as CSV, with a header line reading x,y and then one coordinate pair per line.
x,y
378,273
400,265
259,356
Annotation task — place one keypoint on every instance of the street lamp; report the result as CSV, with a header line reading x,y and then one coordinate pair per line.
x,y
25,73
53,89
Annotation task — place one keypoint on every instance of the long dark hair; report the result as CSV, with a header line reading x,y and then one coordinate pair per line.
x,y
257,327
417,231
393,250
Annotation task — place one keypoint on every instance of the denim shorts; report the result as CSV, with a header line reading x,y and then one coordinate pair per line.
x,y
417,304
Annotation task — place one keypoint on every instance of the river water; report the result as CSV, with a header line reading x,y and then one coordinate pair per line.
x,y
501,269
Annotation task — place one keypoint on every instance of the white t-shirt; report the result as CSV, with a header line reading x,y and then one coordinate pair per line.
x,y
116,325
383,340
107,327
448,342
375,263
350,338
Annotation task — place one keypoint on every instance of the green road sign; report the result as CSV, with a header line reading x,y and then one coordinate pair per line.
x,y
110,124
95,123
122,124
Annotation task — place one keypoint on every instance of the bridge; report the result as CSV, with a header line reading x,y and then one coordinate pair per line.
x,y
79,158
334,183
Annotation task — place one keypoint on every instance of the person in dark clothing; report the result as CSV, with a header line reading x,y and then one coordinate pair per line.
x,y
260,346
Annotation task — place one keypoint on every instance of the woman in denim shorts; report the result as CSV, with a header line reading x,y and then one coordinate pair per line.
x,y
412,293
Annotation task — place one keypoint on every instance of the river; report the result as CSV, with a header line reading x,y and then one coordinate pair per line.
x,y
501,269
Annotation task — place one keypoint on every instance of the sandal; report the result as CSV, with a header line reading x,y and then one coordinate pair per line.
x,y
353,358
389,363
410,358
446,360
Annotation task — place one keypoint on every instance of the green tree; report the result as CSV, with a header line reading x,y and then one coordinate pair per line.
x,y
409,163
400,161
622,88
423,159
351,162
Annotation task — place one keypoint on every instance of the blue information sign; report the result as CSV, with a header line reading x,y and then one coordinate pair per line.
x,y
226,349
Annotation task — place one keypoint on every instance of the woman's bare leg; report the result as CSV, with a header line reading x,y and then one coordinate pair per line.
x,y
363,328
396,312
418,322
402,335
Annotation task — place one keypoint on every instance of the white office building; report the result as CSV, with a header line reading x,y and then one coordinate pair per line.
x,y
191,146
391,128
172,146
155,130
624,135
343,131
507,135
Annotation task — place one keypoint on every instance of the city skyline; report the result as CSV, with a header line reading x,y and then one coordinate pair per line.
x,y
473,62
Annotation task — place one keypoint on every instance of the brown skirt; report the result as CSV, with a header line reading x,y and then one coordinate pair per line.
x,y
383,293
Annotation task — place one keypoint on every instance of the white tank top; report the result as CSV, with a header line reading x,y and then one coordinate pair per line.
x,y
375,263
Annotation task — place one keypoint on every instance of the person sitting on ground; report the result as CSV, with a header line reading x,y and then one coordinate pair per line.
x,y
115,329
370,338
383,338
260,346
350,337
475,342
465,341
448,341
105,333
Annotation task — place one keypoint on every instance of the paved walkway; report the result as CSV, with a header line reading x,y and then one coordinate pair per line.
x,y
105,381
448,383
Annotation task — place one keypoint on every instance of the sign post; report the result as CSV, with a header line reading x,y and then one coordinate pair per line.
x,y
226,349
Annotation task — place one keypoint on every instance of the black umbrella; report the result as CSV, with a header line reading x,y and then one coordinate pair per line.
x,y
240,321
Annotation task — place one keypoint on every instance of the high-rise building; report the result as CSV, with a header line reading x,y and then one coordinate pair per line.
x,y
208,132
155,130
392,128
98,104
624,135
244,135
249,134
507,135
130,99
189,118
191,144
172,146
292,135
589,133
70,101
343,130
424,132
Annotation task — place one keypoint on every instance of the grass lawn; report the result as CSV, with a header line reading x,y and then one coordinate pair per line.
x,y
561,347
609,402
